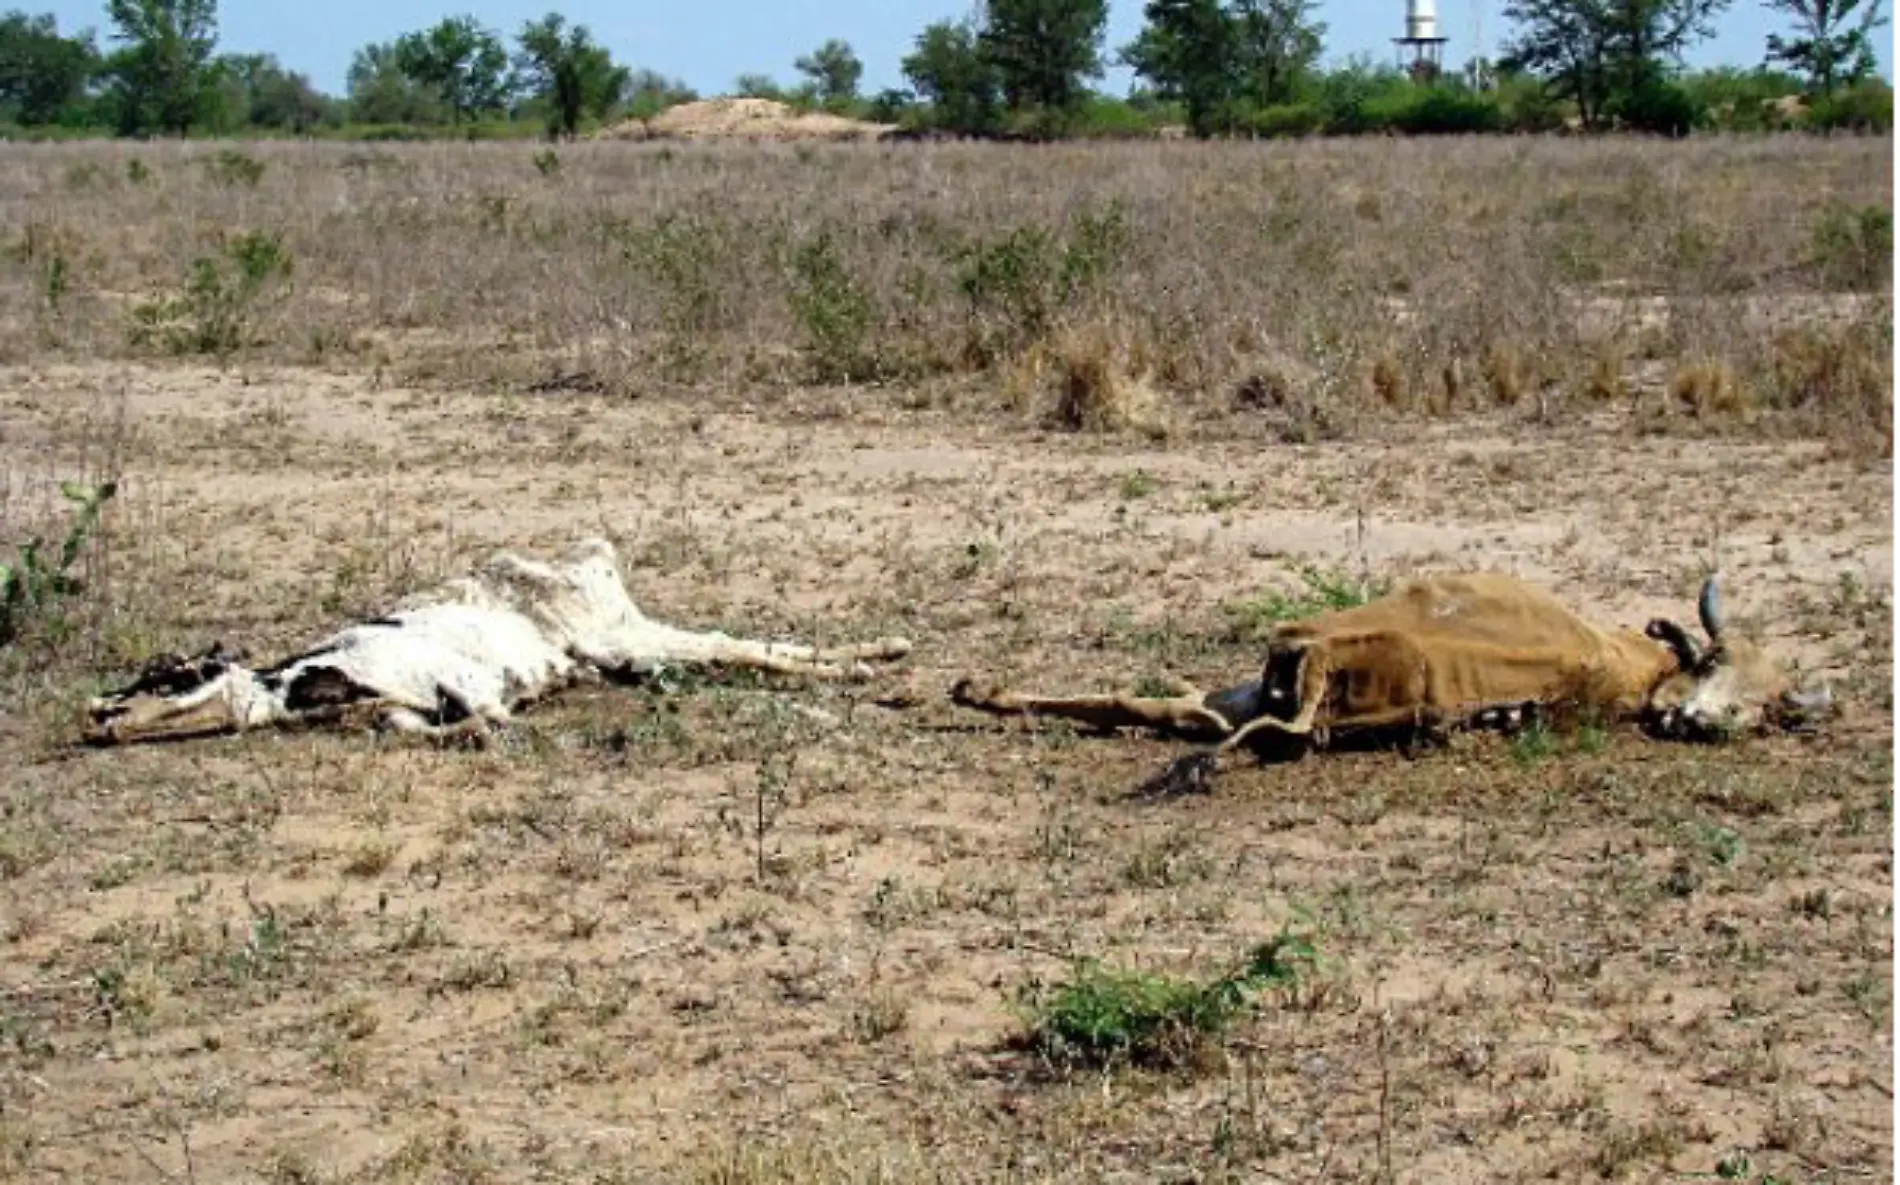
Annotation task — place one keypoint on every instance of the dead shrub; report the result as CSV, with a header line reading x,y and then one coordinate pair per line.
x,y
1506,374
1604,381
1706,388
1289,409
1096,389
1388,380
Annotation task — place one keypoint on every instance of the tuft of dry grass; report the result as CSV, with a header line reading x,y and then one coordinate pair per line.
x,y
1096,388
1707,389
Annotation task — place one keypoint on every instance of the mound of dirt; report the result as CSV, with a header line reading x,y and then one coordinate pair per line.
x,y
744,119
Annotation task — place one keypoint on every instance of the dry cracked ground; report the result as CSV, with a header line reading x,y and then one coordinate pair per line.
x,y
732,930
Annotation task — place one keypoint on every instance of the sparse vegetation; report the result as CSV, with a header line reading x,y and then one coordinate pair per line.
x,y
1105,1017
215,312
1074,293
744,929
37,579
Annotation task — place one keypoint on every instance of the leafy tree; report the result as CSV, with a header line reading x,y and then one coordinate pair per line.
x,y
834,70
649,93
164,78
1832,42
43,76
1277,43
1189,50
1607,54
757,86
1042,50
265,95
462,62
573,74
380,92
948,69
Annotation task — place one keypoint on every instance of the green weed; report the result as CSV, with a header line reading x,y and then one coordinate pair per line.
x,y
34,583
1105,1017
213,314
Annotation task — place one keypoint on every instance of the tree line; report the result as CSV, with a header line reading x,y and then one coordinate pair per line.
x,y
1015,68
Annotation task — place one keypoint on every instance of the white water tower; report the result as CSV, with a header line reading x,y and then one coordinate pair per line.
x,y
1421,50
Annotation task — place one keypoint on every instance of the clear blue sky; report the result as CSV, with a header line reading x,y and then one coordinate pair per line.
x,y
712,42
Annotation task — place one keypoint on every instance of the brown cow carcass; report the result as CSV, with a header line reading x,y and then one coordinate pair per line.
x,y
1446,652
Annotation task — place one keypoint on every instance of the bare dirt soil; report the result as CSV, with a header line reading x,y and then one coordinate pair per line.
x,y
744,119
749,931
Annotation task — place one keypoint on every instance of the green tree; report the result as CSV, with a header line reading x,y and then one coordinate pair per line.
x,y
834,70
1832,41
1188,50
948,69
43,76
164,77
574,75
1277,43
1042,50
265,95
1609,56
462,62
380,92
757,86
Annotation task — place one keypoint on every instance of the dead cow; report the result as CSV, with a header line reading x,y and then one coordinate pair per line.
x,y
453,661
1445,652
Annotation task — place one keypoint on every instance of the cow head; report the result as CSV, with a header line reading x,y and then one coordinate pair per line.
x,y
175,697
1728,689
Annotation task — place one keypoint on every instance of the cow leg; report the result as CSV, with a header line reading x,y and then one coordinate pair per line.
x,y
1194,773
1180,715
782,658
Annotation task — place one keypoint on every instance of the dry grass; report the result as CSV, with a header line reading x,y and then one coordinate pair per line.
x,y
708,265
760,932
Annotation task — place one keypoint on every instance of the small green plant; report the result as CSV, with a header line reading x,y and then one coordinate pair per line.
x,y
56,280
1533,744
1853,248
547,162
1010,284
34,583
84,174
213,312
1324,592
136,171
677,255
836,312
978,554
232,167
1104,1017
1138,484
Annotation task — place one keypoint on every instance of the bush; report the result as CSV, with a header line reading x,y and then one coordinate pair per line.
x,y
33,584
1103,118
1526,105
1867,107
213,312
1657,106
1285,119
836,312
1101,1017
1441,111
1853,248
1016,285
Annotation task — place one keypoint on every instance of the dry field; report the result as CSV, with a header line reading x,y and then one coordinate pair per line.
x,y
1064,416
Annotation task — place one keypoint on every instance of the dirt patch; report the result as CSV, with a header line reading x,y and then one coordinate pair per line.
x,y
744,119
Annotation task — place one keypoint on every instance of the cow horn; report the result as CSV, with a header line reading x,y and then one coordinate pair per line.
x,y
1709,608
